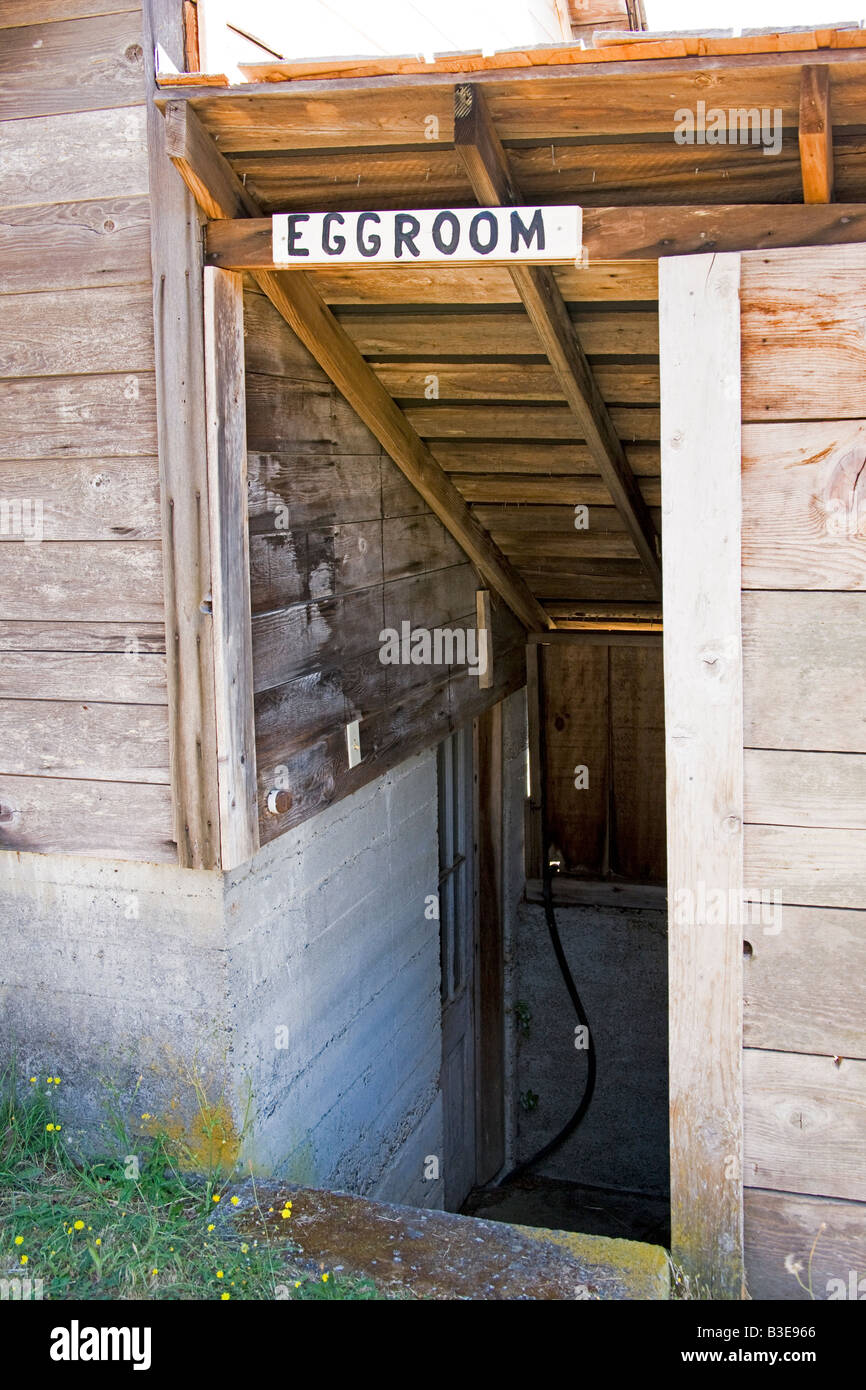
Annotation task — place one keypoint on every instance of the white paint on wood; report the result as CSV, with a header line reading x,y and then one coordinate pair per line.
x,y
701,506
428,237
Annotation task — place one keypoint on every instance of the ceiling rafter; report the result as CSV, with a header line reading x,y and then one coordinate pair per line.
x,y
489,172
220,194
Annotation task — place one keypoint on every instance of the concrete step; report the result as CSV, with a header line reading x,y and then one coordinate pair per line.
x,y
439,1255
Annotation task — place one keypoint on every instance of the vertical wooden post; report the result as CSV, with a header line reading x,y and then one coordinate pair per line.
x,y
533,828
484,623
700,460
816,134
230,562
490,972
178,335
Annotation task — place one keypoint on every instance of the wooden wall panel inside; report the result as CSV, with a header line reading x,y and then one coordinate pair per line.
x,y
804,616
603,712
83,697
342,548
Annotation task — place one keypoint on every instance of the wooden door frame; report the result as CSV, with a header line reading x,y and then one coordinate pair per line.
x,y
699,327
489,945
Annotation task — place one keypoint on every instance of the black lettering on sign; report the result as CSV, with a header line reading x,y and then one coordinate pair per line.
x,y
406,228
373,244
447,248
474,233
294,233
519,232
338,244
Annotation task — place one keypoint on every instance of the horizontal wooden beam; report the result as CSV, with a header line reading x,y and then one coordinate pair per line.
x,y
620,233
217,189
599,637
578,892
489,171
392,87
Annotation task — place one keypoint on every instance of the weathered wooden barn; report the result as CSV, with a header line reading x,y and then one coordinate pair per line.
x,y
240,839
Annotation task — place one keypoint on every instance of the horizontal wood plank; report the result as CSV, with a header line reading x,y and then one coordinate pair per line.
x,y
512,381
805,865
93,244
443,421
804,671
561,489
81,64
535,458
77,332
603,281
501,334
78,416
804,353
804,505
109,820
298,640
298,490
804,1123
319,774
17,12
637,230
81,155
825,790
96,637
591,174
82,581
84,499
821,1238
527,523
804,986
96,742
131,677
286,415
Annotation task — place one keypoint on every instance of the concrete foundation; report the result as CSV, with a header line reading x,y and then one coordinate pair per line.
x,y
286,1014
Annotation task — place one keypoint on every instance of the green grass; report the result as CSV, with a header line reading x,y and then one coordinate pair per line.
x,y
94,1229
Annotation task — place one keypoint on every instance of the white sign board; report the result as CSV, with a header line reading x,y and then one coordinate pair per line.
x,y
429,237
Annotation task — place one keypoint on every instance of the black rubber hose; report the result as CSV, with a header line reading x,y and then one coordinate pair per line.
x,y
555,940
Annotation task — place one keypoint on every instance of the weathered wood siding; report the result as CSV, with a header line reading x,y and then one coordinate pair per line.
x,y
341,548
804,669
604,711
84,761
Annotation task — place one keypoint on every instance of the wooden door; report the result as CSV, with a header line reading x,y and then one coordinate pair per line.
x,y
457,947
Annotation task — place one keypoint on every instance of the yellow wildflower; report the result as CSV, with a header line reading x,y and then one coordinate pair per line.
x,y
220,1274
19,1240
24,1259
235,1201
225,1295
79,1225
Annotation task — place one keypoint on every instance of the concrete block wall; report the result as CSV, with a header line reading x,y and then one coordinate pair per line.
x,y
129,970
328,942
